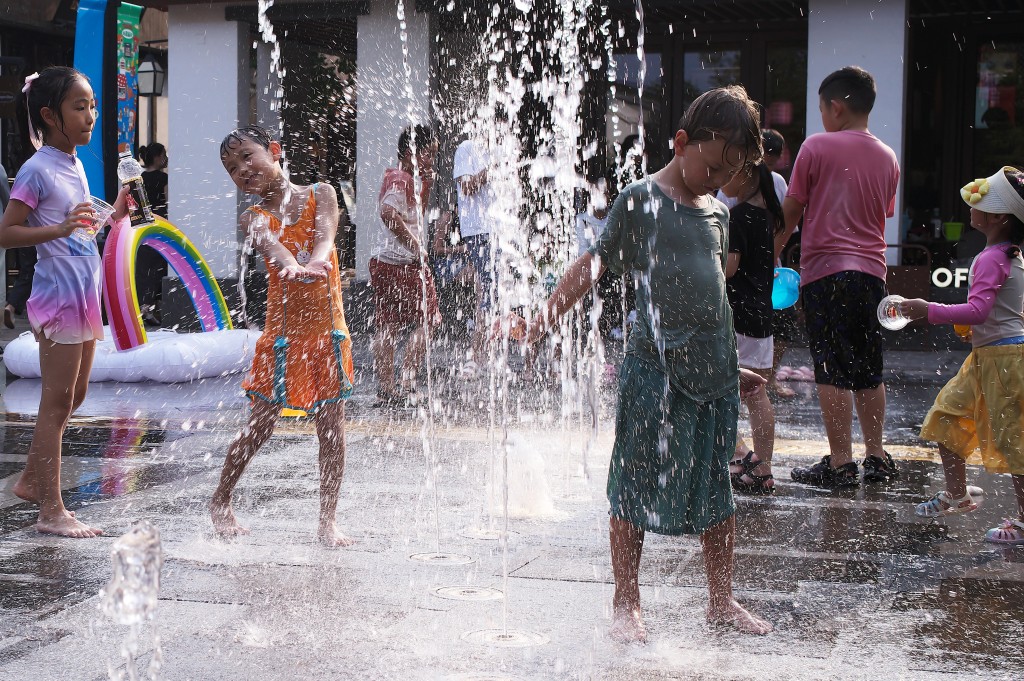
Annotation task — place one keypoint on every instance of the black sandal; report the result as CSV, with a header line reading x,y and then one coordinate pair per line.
x,y
758,485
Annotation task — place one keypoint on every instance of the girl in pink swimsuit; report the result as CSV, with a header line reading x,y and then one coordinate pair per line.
x,y
49,201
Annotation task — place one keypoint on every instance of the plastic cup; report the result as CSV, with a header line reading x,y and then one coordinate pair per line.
x,y
785,288
103,211
889,314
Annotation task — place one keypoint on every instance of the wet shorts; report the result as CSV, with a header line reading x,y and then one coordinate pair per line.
x,y
982,407
755,353
398,294
843,330
478,250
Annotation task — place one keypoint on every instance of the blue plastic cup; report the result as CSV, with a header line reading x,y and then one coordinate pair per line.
x,y
786,288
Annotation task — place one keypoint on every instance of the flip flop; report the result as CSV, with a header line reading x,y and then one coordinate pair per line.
x,y
8,318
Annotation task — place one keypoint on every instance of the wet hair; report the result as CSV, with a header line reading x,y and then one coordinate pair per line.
x,y
851,85
773,142
253,133
1016,179
424,135
766,186
49,91
150,153
725,113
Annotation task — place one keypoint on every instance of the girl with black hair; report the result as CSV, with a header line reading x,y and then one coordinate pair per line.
x,y
753,223
49,202
982,407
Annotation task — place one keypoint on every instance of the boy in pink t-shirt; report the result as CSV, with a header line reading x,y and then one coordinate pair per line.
x,y
844,186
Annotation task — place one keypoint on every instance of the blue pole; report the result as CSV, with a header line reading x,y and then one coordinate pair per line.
x,y
90,31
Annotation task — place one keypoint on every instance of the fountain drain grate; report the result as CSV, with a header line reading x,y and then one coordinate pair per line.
x,y
505,638
469,593
442,558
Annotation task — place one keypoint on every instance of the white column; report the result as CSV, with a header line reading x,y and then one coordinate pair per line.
x,y
383,107
204,76
873,36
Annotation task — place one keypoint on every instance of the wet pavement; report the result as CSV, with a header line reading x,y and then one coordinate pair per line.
x,y
856,585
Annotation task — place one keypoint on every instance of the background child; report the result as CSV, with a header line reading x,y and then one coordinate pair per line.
x,y
983,405
753,224
844,185
304,357
49,201
399,268
675,429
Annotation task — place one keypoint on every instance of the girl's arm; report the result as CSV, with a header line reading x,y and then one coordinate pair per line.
x,y
14,233
578,280
266,244
442,245
732,264
394,221
326,231
990,271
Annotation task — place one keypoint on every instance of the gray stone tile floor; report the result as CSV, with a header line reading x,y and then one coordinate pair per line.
x,y
856,585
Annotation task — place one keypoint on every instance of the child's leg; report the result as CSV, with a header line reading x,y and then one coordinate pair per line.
x,y
717,544
837,413
330,428
240,452
415,351
62,371
627,543
955,469
762,424
870,404
384,360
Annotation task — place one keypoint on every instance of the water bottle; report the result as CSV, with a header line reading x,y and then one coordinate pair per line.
x,y
889,314
130,173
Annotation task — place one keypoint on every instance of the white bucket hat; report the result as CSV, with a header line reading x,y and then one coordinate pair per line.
x,y
995,195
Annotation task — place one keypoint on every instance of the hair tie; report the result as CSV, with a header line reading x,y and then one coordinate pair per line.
x,y
28,82
33,136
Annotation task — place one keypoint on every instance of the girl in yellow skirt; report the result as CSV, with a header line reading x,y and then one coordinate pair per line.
x,y
983,405
304,357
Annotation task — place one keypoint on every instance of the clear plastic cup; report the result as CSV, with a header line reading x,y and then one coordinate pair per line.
x,y
889,314
103,211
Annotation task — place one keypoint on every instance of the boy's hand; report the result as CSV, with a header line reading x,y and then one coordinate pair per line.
x,y
81,216
915,308
296,272
320,269
750,383
513,326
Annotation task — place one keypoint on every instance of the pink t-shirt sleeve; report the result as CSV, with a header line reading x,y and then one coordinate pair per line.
x,y
991,269
801,176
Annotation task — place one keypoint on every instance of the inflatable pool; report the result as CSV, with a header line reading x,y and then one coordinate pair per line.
x,y
167,357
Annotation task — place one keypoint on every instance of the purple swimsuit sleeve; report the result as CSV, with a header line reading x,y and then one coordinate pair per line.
x,y
26,188
990,271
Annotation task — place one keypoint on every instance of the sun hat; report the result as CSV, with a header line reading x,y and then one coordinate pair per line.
x,y
995,194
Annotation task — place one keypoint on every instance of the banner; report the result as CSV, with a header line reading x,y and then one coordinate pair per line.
x,y
128,17
90,56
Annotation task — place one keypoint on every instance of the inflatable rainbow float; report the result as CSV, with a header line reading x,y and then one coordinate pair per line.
x,y
119,291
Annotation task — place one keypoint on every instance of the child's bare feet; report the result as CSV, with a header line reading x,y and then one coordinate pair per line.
x,y
66,525
329,536
734,615
224,522
628,626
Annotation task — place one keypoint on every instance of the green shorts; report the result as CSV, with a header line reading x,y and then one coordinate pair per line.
x,y
669,472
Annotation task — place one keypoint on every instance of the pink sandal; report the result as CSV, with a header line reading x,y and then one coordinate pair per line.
x,y
1010,533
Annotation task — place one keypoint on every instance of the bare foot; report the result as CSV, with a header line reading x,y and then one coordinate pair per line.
x,y
66,525
734,615
224,522
329,536
628,626
26,490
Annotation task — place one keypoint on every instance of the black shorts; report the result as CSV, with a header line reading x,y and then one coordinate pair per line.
x,y
840,313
